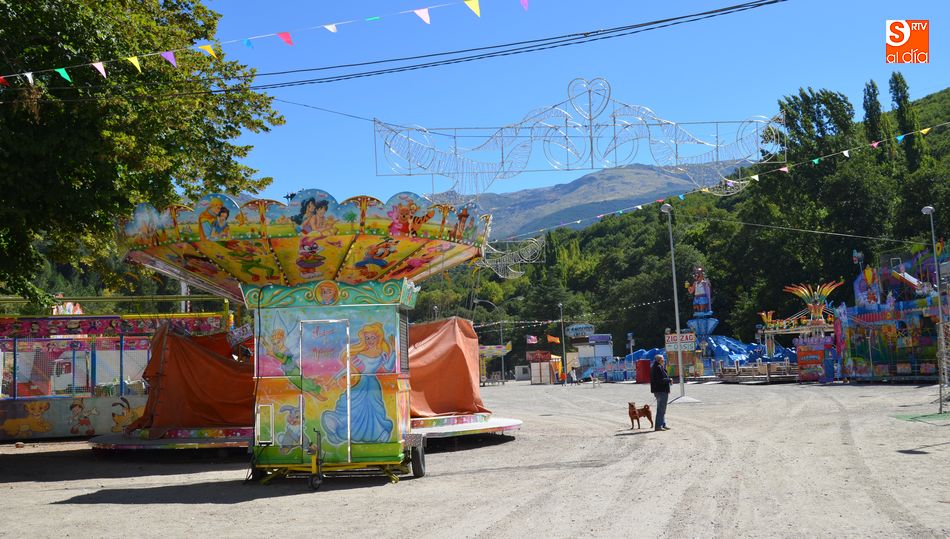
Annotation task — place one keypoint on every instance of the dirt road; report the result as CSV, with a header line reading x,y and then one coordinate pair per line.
x,y
781,460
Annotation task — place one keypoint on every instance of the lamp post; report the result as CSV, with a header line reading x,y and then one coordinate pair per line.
x,y
668,210
941,345
560,307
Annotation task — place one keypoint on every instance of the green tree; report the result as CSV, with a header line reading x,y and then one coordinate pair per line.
x,y
915,146
877,126
76,157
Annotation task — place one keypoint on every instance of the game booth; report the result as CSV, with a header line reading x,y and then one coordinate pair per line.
x,y
330,284
81,375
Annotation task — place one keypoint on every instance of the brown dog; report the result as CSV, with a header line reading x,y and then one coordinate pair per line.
x,y
636,414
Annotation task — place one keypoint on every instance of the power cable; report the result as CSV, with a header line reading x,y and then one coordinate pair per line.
x,y
805,230
512,48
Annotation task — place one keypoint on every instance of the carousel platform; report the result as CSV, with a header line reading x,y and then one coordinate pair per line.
x,y
201,438
447,426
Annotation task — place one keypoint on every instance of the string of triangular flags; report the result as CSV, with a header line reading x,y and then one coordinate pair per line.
x,y
786,169
170,55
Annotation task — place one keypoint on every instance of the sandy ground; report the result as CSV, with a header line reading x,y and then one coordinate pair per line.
x,y
781,460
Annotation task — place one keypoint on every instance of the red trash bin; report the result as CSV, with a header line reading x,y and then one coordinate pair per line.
x,y
643,371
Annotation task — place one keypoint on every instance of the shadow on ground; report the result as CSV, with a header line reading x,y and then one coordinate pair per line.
x,y
89,464
633,432
222,492
465,443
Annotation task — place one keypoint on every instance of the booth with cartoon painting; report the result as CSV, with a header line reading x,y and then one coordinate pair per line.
x,y
330,285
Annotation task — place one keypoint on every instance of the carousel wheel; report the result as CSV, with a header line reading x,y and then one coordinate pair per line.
x,y
315,481
418,457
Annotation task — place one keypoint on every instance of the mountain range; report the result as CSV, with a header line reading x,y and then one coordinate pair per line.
x,y
593,194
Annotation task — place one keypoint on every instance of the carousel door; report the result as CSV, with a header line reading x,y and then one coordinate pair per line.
x,y
325,366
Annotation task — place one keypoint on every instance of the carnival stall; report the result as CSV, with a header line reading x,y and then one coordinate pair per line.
x,y
66,376
891,333
330,284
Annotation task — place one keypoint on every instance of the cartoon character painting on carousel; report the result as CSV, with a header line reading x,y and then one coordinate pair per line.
x,y
213,221
376,255
313,218
313,224
405,222
368,420
328,292
275,348
248,258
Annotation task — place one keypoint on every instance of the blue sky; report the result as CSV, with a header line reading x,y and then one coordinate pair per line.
x,y
727,68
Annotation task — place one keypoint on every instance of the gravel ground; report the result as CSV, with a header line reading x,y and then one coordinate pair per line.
x,y
780,460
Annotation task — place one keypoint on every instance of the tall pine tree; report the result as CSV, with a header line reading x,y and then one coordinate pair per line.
x,y
877,126
915,147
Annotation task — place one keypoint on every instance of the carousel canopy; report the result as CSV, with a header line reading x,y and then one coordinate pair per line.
x,y
220,244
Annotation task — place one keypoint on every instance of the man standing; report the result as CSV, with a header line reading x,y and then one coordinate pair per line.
x,y
660,387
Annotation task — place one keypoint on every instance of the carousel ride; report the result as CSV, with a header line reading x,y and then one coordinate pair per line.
x,y
330,284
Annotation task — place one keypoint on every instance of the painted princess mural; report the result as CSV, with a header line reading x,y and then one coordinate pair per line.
x,y
373,354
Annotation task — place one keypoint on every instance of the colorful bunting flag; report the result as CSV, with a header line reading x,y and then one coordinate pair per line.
x,y
62,73
783,169
815,160
170,56
4,82
209,49
102,69
875,143
423,14
531,339
638,207
755,178
846,153
729,183
925,131
900,138
473,5
553,340
682,197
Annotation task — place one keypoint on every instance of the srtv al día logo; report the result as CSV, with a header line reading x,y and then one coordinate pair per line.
x,y
907,41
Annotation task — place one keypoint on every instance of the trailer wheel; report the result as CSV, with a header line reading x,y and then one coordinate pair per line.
x,y
315,481
418,457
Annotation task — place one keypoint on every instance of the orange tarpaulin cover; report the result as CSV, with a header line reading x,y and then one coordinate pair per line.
x,y
443,369
194,382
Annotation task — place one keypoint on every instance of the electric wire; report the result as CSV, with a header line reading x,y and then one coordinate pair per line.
x,y
513,48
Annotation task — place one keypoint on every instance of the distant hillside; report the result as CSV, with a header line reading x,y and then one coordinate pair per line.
x,y
590,195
